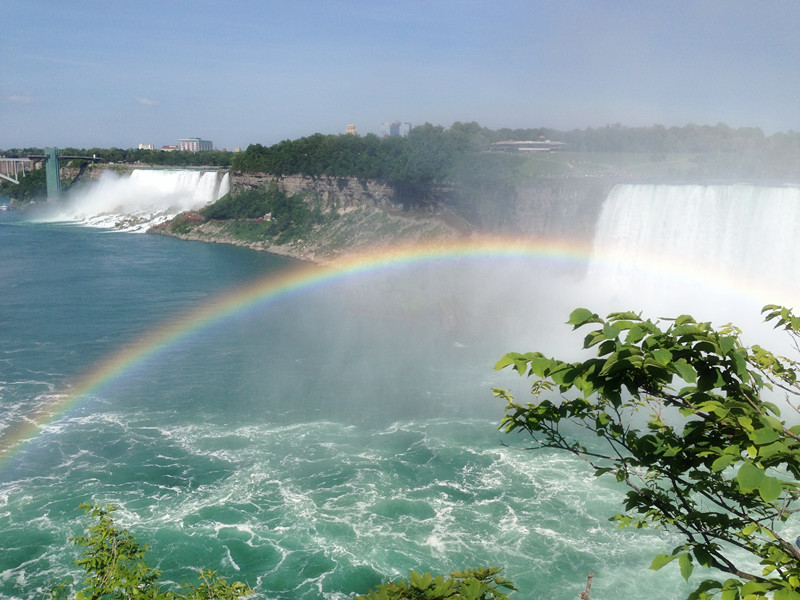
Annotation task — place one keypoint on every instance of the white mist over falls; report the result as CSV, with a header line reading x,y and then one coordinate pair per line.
x,y
342,432
140,200
716,249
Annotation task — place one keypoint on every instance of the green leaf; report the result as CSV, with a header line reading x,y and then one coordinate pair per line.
x,y
635,333
611,331
593,338
685,561
770,489
772,449
750,528
470,589
661,561
662,356
749,476
581,316
508,359
753,587
540,364
729,594
416,580
685,371
726,344
721,463
765,435
625,316
786,595
740,361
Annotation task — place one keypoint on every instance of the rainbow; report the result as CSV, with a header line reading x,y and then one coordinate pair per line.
x,y
259,293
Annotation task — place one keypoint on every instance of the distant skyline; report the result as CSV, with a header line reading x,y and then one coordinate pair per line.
x,y
103,74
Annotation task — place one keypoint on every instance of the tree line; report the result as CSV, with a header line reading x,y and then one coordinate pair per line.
x,y
462,153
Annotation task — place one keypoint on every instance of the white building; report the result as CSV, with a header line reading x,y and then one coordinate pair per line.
x,y
195,144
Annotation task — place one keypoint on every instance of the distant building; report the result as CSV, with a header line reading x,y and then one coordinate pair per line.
x,y
396,129
168,148
146,147
351,129
541,145
195,144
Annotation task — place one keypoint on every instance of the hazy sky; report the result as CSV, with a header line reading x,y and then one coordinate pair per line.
x,y
117,73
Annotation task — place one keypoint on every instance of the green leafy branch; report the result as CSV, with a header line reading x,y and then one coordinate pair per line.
x,y
473,584
681,410
115,568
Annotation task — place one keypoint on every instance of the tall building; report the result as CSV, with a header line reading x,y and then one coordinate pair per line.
x,y
351,129
195,144
396,129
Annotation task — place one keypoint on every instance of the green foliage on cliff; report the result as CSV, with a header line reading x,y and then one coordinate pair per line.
x,y
247,204
682,415
115,567
267,213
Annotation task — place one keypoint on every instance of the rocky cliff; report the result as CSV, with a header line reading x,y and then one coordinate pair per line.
x,y
342,193
553,207
559,207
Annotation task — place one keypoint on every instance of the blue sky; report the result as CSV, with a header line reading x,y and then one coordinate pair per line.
x,y
117,73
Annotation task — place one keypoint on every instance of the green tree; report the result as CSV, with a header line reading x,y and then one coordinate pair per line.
x,y
679,412
33,186
115,569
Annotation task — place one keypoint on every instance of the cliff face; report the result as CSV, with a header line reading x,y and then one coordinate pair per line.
x,y
560,208
342,193
374,214
547,207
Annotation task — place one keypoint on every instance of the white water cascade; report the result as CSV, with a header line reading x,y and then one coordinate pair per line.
x,y
144,198
680,245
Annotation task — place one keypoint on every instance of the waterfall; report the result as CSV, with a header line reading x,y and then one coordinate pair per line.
x,y
224,185
679,245
136,202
